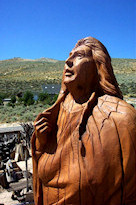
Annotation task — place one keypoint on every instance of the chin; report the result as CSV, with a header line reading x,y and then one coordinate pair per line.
x,y
69,80
69,85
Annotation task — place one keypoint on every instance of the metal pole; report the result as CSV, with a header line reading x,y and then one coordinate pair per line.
x,y
27,188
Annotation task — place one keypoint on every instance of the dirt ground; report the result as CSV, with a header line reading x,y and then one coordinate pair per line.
x,y
5,196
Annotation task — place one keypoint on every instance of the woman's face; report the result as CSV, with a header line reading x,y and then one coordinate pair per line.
x,y
80,69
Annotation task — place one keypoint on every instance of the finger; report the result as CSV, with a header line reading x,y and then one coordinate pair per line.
x,y
43,115
41,121
46,124
43,132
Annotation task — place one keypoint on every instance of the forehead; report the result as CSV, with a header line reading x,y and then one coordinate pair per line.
x,y
82,48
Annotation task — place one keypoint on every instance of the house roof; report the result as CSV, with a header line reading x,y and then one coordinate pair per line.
x,y
6,99
11,129
51,88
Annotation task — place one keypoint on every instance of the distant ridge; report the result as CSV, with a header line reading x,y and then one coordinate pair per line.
x,y
46,59
18,59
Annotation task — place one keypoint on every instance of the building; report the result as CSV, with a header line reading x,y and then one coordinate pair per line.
x,y
6,133
9,136
51,88
6,101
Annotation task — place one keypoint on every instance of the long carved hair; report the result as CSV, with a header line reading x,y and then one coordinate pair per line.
x,y
107,83
106,78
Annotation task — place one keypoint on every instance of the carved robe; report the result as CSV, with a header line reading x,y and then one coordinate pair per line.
x,y
93,166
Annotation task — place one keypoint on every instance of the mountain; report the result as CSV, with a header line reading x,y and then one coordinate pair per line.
x,y
19,74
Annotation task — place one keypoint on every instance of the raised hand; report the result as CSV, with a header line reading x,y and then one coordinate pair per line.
x,y
46,123
43,129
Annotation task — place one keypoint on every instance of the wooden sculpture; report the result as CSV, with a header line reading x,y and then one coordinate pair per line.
x,y
84,146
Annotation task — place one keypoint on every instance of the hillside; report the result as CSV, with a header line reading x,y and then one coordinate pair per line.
x,y
19,74
23,74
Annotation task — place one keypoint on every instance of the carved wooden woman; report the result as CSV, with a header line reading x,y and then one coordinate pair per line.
x,y
84,146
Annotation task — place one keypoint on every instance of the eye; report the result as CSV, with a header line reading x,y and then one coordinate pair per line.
x,y
80,55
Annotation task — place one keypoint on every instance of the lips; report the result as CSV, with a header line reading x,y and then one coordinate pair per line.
x,y
68,73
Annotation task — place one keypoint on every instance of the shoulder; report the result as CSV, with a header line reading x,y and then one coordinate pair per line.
x,y
117,109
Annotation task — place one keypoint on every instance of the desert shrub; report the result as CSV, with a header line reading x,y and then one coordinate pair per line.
x,y
13,119
128,89
3,95
21,113
28,117
11,104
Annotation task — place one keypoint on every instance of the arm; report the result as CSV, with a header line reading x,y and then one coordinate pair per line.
x,y
38,141
43,132
126,127
37,184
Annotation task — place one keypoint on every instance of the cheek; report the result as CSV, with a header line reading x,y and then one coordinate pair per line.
x,y
82,75
87,72
81,67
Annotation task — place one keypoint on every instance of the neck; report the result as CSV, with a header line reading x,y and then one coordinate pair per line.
x,y
80,95
71,104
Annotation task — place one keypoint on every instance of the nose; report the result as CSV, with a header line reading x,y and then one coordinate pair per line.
x,y
69,62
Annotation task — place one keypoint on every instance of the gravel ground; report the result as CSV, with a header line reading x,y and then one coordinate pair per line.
x,y
5,196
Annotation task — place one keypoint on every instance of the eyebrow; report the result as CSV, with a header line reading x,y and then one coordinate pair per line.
x,y
77,52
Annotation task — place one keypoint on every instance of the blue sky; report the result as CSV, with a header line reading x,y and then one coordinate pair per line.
x,y
50,28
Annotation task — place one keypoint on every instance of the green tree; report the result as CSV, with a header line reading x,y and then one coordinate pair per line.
x,y
54,98
1,101
42,96
2,96
13,99
28,98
